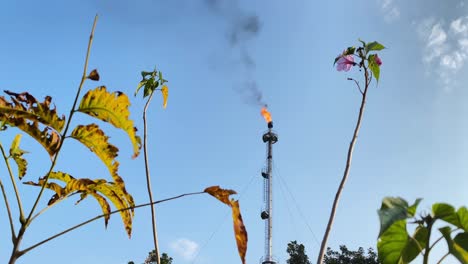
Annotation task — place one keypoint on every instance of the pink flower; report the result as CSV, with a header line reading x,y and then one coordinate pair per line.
x,y
377,60
345,62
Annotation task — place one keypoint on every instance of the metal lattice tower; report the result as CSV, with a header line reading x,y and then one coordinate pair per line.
x,y
269,138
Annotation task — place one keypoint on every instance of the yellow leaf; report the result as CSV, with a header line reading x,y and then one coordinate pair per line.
x,y
17,154
112,108
220,194
94,138
165,94
24,105
25,112
104,206
59,191
48,138
239,230
100,189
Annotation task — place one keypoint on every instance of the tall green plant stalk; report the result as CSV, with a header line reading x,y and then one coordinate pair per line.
x,y
148,181
349,159
370,63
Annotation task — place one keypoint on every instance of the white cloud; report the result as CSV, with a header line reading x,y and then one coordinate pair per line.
x,y
390,10
460,26
445,46
185,248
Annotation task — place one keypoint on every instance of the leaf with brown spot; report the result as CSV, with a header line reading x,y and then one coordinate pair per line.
x,y
220,194
24,105
100,189
95,139
17,155
239,230
112,108
47,137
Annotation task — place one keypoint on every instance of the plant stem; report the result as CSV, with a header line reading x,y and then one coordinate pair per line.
x,y
101,216
10,218
148,180
443,257
67,126
440,238
13,182
346,171
16,253
429,222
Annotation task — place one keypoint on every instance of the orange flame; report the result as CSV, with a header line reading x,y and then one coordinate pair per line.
x,y
266,114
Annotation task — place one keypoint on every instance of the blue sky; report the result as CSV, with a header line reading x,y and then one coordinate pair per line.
x,y
412,143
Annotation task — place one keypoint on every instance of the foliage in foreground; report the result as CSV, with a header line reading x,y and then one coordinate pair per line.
x,y
396,245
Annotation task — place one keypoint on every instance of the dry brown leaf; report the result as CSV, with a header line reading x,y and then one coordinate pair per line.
x,y
220,194
239,230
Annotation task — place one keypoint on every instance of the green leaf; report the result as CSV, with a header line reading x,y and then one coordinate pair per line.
x,y
396,246
336,59
458,246
394,209
415,244
363,42
374,46
348,51
160,76
462,214
374,67
140,84
17,154
145,73
413,207
112,108
445,212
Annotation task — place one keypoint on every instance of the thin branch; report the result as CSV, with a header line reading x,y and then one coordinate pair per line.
x,y
15,252
430,223
7,205
443,257
13,182
83,78
101,216
148,180
349,158
440,238
357,84
52,205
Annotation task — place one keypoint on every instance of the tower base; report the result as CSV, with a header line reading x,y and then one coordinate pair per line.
x,y
269,262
